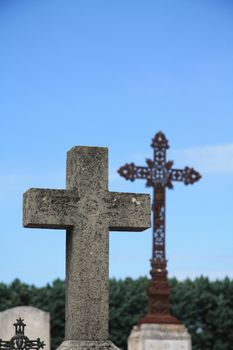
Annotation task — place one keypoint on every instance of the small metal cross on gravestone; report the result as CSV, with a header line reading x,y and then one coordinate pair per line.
x,y
159,174
87,210
19,341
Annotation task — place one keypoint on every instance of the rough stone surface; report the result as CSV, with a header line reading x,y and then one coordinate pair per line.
x,y
159,337
87,211
37,323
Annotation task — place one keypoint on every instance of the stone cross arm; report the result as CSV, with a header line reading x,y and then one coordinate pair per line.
x,y
62,209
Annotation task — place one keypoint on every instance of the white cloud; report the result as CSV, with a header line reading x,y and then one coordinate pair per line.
x,y
208,159
203,258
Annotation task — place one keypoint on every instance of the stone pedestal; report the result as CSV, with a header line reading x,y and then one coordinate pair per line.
x,y
86,345
159,337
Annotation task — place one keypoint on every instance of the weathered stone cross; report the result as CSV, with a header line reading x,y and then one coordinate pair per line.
x,y
87,210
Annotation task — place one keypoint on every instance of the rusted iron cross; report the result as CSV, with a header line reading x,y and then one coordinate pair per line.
x,y
159,174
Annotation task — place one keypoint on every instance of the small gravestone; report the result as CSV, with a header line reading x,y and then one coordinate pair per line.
x,y
37,323
20,341
87,210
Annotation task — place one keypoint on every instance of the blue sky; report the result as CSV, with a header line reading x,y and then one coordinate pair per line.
x,y
113,73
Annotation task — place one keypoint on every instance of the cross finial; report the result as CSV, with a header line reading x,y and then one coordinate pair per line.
x,y
19,326
160,141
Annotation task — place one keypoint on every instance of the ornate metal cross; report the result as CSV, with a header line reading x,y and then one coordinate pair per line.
x,y
159,174
20,341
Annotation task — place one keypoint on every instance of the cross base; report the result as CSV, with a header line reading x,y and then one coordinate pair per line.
x,y
159,337
87,344
158,319
158,296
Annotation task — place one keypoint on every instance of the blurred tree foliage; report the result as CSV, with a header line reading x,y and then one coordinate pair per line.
x,y
205,307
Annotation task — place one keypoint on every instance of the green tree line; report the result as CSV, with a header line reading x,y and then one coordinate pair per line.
x,y
204,306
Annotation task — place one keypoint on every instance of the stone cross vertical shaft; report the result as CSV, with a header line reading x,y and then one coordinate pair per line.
x,y
87,210
159,174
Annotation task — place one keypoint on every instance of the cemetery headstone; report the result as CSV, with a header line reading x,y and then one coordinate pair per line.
x,y
87,210
37,323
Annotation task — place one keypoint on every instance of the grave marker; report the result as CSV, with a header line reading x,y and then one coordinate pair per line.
x,y
159,329
159,174
87,210
38,323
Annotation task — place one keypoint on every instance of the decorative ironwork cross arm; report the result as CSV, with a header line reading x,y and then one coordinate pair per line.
x,y
188,175
159,172
132,172
19,341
